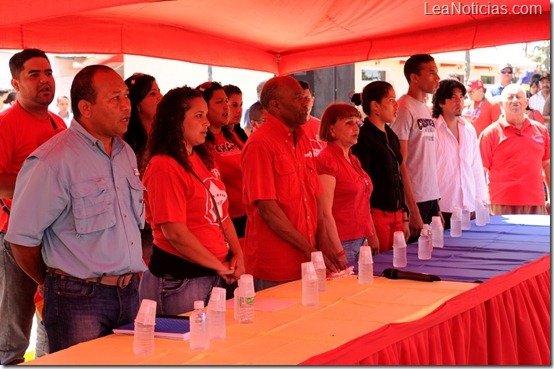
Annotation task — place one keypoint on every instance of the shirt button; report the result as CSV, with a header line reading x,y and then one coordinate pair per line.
x,y
132,243
308,217
124,215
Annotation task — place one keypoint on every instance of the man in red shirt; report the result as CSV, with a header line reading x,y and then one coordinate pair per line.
x,y
280,185
481,111
25,126
516,155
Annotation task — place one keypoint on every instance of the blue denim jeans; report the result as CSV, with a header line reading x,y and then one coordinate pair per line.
x,y
17,307
177,296
352,249
77,311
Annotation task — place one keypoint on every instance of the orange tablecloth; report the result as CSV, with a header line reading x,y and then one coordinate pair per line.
x,y
291,335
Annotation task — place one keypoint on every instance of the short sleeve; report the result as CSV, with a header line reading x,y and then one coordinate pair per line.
x,y
258,173
165,191
325,164
403,123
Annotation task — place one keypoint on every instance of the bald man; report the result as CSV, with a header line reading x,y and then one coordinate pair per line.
x,y
516,156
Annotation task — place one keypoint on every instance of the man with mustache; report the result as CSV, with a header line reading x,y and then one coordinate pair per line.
x,y
79,207
459,166
516,156
23,127
280,185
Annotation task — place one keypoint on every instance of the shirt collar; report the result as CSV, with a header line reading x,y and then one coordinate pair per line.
x,y
117,142
504,123
280,128
441,122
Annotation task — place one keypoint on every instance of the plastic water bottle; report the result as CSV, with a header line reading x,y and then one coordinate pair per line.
x,y
466,219
399,256
236,301
437,232
246,300
199,335
143,340
365,266
456,223
481,213
216,314
424,247
310,285
320,269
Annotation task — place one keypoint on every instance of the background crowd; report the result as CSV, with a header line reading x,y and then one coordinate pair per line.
x,y
135,194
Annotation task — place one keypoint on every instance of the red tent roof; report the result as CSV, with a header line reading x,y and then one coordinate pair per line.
x,y
278,36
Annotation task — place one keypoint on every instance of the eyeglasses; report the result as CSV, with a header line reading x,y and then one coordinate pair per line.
x,y
506,71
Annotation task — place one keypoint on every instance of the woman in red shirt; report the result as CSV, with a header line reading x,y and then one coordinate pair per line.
x,y
226,149
343,208
195,244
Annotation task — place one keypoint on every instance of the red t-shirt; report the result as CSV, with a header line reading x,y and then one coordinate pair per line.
x,y
311,128
353,188
227,156
514,159
20,134
174,195
486,113
274,168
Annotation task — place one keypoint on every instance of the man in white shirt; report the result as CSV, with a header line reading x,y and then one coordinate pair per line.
x,y
63,109
459,165
541,98
415,129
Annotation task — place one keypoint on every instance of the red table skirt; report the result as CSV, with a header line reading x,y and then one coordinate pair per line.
x,y
505,321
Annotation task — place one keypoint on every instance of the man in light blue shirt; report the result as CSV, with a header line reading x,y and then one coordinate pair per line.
x,y
79,207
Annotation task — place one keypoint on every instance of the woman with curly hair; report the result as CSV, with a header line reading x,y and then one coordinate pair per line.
x,y
195,244
226,148
145,95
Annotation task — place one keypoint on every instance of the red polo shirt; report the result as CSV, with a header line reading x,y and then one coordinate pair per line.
x,y
274,168
352,192
514,160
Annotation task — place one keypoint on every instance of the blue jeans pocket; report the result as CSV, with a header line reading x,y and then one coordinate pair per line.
x,y
69,287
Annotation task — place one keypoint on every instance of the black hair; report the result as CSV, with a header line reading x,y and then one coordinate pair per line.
x,y
168,132
445,90
413,64
82,87
139,86
374,91
207,89
18,59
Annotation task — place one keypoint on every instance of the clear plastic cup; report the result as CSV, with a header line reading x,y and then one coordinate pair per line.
x,y
320,269
147,312
365,254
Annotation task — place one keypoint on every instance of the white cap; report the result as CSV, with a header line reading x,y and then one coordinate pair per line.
x,y
147,312
426,226
436,220
308,271
317,259
198,304
365,254
399,240
217,299
457,212
247,284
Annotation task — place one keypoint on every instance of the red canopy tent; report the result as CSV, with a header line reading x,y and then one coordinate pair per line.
x,y
280,37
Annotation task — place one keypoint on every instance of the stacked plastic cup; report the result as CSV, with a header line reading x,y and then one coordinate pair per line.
x,y
320,269
310,285
365,265
399,252
143,341
216,314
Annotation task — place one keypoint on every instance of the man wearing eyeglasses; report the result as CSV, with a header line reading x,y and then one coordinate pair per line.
x,y
506,73
482,111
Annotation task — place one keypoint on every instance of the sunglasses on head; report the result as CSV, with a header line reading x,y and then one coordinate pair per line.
x,y
506,71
